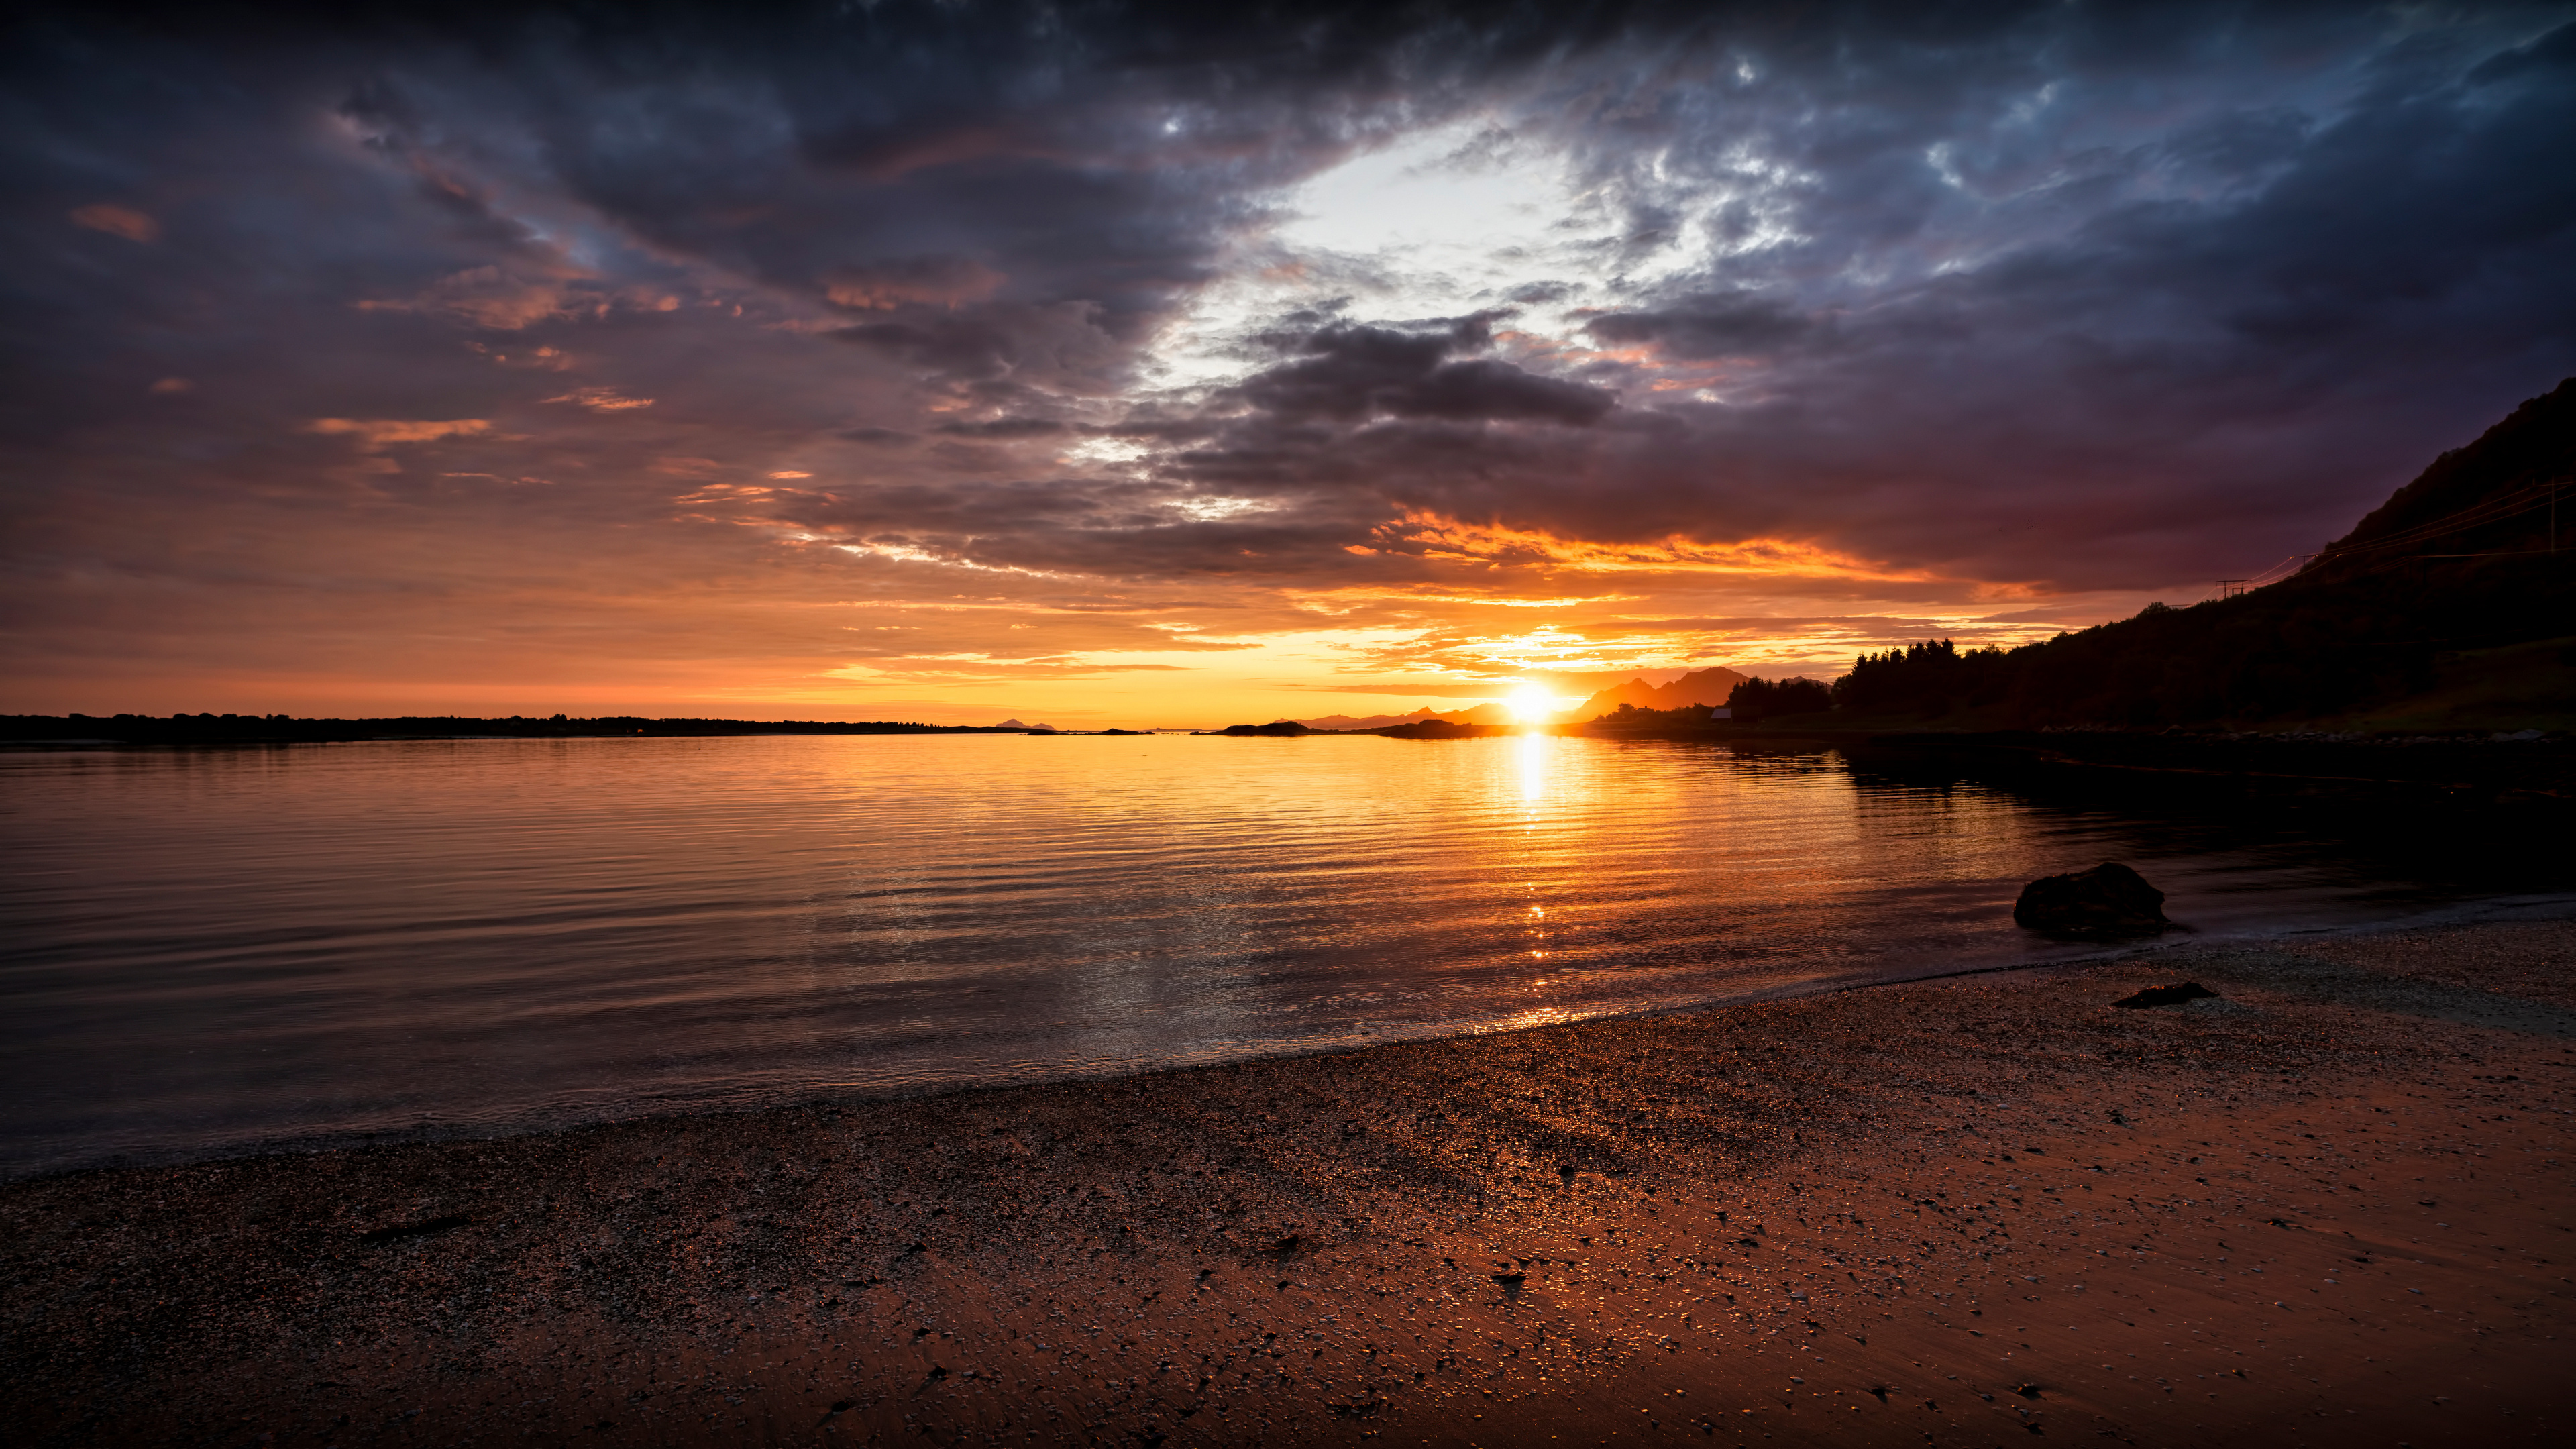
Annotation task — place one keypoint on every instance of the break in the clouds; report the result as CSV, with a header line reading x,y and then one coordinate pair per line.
x,y
1163,362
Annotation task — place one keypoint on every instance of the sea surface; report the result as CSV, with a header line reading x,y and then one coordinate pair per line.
x,y
209,951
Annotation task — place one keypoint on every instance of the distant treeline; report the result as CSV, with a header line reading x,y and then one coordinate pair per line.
x,y
1759,699
2248,658
182,729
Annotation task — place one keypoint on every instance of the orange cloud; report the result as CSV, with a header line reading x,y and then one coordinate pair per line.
x,y
374,433
508,299
115,220
1368,594
602,400
1430,535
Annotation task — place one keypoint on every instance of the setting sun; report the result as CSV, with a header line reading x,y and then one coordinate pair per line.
x,y
1532,705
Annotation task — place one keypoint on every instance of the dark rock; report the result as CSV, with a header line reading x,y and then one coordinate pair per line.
x,y
2108,900
1284,728
2174,995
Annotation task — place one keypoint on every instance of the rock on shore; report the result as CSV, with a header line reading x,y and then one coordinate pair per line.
x,y
2108,900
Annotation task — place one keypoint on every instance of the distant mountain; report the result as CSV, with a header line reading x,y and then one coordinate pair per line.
x,y
1478,714
1012,724
1369,721
1708,687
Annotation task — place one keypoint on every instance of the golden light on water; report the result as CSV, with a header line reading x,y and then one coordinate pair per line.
x,y
1533,755
1533,762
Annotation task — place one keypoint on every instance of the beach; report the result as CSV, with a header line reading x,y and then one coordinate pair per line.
x,y
2329,1205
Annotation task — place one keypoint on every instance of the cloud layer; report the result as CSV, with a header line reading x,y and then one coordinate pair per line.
x,y
1060,355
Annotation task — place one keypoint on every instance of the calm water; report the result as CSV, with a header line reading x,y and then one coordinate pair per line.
x,y
208,950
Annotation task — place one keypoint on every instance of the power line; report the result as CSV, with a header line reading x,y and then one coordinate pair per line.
x,y
2527,499
2530,498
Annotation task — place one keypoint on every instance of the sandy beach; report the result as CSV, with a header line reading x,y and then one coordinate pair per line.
x,y
2330,1205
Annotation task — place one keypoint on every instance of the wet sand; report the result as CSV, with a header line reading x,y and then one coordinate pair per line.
x,y
2332,1206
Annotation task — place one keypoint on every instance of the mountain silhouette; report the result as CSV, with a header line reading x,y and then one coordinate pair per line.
x,y
1368,721
1705,687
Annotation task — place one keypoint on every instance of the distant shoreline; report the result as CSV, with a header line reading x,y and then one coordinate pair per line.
x,y
205,729
2524,767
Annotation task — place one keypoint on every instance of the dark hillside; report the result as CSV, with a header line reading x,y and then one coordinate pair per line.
x,y
2453,579
2494,494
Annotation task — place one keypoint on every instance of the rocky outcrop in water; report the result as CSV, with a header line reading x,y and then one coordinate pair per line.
x,y
2108,900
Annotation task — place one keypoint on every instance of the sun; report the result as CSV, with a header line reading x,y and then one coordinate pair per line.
x,y
1531,705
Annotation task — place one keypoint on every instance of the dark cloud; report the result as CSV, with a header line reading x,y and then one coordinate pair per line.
x,y
1484,389
1722,324
1060,346
1352,373
1005,428
1349,372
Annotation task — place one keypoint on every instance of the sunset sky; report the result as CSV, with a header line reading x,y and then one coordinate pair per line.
x,y
1140,365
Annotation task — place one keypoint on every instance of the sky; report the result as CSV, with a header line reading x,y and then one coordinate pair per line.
x,y
1146,365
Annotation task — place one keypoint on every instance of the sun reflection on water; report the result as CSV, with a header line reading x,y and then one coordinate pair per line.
x,y
1533,761
1534,756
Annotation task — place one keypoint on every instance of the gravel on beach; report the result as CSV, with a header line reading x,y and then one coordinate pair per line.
x,y
2328,1205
